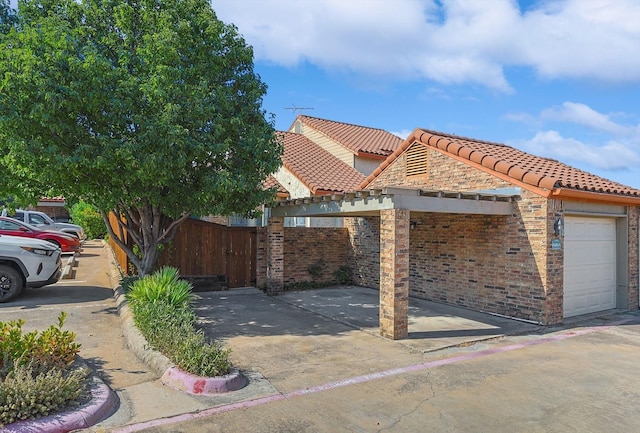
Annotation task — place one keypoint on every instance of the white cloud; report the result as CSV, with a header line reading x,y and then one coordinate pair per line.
x,y
449,41
584,115
613,155
402,134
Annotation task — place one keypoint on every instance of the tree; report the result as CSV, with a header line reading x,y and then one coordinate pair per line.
x,y
146,108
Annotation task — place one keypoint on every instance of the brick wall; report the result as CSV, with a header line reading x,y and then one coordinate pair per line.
x,y
364,240
634,258
489,263
304,247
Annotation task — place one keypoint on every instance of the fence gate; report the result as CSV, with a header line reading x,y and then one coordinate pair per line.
x,y
211,255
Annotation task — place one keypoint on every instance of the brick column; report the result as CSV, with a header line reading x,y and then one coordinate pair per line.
x,y
394,273
275,256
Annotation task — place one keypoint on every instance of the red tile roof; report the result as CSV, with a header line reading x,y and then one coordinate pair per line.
x,y
271,182
319,170
513,164
358,139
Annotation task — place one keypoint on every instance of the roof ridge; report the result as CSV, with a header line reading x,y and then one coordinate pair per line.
x,y
342,123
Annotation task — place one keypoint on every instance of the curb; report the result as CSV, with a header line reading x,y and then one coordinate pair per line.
x,y
196,385
168,373
103,403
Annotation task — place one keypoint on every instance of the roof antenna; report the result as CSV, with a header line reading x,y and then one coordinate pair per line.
x,y
299,109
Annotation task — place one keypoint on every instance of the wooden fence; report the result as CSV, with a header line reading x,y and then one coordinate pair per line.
x,y
208,254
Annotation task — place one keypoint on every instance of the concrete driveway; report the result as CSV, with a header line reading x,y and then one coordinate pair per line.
x,y
459,371
316,364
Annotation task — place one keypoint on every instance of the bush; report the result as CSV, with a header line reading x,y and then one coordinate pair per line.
x,y
25,394
49,349
163,285
36,373
89,218
161,311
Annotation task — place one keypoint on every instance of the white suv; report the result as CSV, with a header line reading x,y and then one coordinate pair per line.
x,y
26,262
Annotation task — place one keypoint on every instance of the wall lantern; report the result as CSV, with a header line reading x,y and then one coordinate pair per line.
x,y
412,225
558,227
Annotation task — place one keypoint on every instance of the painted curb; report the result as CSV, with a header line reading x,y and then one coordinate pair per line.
x,y
169,374
197,385
103,403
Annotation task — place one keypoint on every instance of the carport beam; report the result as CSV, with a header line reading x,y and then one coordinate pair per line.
x,y
394,273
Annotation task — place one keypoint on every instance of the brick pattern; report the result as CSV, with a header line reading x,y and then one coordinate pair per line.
x,y
275,256
261,257
634,258
488,263
364,239
394,273
305,247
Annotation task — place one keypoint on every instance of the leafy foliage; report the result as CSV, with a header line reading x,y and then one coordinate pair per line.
x,y
149,110
27,395
37,375
49,349
88,216
164,286
169,325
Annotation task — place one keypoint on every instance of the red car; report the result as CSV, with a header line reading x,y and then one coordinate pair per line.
x,y
12,227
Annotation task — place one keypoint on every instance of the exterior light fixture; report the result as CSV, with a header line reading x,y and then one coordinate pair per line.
x,y
558,227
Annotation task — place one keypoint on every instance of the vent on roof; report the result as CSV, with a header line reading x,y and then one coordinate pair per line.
x,y
416,160
297,127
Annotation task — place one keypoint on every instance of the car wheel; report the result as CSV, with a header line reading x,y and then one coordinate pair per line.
x,y
10,283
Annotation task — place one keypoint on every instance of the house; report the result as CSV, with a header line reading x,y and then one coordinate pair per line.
x,y
360,147
479,225
323,157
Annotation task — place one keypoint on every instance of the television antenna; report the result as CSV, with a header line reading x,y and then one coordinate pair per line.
x,y
293,108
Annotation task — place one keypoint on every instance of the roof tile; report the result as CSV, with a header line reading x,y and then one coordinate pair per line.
x,y
358,139
315,167
530,169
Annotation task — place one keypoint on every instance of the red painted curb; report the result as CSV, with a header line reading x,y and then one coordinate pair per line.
x,y
197,385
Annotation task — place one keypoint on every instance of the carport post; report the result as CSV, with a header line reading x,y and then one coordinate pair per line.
x,y
275,255
394,273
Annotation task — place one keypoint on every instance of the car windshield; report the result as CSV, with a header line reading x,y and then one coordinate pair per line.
x,y
11,224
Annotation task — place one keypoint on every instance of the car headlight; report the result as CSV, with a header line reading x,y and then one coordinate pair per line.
x,y
38,251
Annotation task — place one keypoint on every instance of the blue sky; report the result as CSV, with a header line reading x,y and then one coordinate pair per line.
x,y
557,78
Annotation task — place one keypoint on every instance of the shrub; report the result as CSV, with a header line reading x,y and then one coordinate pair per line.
x,y
36,374
25,394
126,282
89,218
163,285
51,348
343,274
169,325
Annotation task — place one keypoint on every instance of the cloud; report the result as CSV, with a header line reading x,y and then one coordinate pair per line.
x,y
402,134
446,41
584,115
613,155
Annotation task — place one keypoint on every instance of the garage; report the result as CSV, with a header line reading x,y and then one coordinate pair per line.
x,y
589,265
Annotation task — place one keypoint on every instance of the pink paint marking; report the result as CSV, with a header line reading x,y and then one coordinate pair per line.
x,y
364,378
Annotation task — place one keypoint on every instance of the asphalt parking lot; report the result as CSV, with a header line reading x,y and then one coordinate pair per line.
x,y
316,364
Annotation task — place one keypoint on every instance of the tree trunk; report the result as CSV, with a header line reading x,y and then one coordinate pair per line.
x,y
140,232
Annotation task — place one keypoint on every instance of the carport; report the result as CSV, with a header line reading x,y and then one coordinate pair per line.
x,y
393,205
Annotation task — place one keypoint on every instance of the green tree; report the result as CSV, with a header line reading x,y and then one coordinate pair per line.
x,y
149,109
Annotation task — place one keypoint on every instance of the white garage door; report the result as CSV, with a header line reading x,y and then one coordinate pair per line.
x,y
589,265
